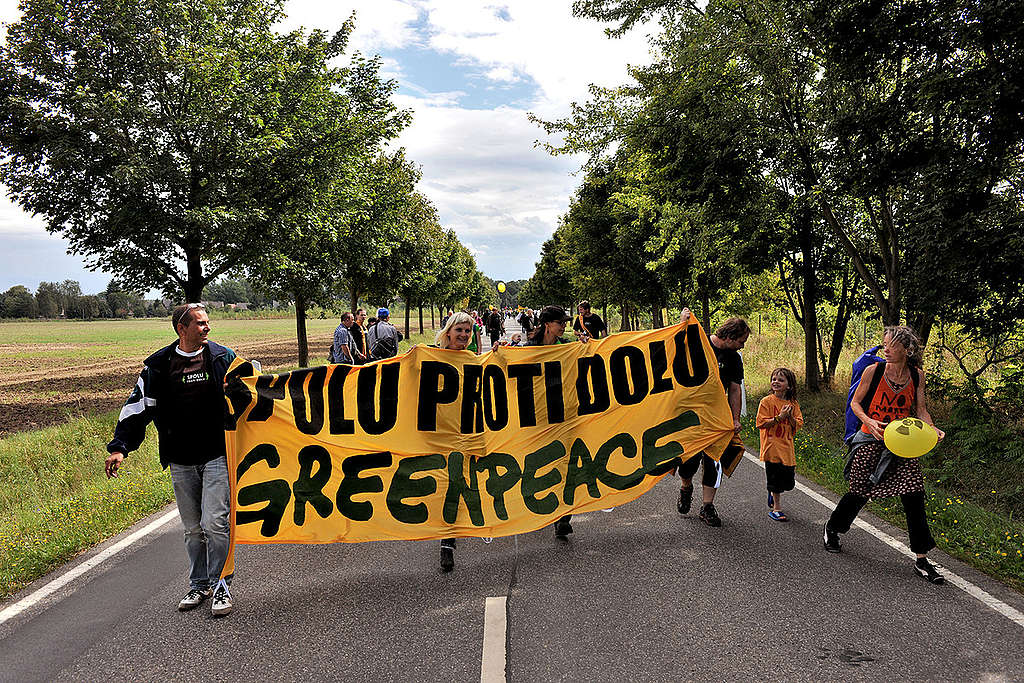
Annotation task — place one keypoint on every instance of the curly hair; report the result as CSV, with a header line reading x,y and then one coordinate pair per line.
x,y
910,341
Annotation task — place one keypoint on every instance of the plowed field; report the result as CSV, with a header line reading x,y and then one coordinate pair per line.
x,y
53,371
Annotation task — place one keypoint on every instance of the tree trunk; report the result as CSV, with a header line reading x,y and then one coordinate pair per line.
x,y
843,314
922,324
655,317
624,310
810,312
705,307
300,330
407,311
433,325
421,318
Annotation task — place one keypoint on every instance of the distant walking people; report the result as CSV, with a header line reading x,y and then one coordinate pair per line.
x,y
549,330
778,419
588,325
382,339
891,390
725,342
358,333
525,320
341,347
495,326
181,390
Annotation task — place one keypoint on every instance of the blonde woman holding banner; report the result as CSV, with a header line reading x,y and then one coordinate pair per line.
x,y
455,335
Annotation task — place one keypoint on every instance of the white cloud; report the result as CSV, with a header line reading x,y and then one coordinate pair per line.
x,y
539,39
380,24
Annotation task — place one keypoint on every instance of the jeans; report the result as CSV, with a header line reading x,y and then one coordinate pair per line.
x,y
201,492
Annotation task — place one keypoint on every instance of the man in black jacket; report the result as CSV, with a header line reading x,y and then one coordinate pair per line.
x,y
181,390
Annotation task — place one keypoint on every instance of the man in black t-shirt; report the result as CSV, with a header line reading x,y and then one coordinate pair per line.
x,y
181,390
588,325
726,342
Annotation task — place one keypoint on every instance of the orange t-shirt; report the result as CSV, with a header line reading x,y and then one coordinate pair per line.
x,y
777,439
888,405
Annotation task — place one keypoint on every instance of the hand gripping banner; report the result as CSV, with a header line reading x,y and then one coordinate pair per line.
x,y
439,444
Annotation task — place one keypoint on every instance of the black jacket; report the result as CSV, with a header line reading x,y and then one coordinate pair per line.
x,y
146,401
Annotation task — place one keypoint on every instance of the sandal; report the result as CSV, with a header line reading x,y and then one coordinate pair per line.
x,y
778,516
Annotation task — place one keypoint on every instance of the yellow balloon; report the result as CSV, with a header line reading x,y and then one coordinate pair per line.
x,y
910,437
501,287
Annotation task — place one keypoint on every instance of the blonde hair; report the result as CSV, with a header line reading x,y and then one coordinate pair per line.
x,y
443,338
911,342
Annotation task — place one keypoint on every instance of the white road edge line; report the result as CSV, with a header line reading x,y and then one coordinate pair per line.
x,y
492,663
963,584
42,593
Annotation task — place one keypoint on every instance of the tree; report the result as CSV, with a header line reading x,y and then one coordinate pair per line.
x,y
48,299
18,302
163,139
70,291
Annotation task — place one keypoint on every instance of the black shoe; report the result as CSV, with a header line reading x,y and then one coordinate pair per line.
x,y
447,558
927,571
685,500
562,528
830,540
709,515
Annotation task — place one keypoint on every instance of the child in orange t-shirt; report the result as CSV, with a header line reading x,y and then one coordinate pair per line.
x,y
778,418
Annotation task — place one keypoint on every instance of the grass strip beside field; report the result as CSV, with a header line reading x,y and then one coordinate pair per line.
x,y
56,500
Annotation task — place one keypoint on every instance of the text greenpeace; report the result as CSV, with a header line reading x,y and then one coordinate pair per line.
x,y
438,443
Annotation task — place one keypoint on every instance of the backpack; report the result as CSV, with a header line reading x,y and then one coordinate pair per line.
x,y
866,360
384,347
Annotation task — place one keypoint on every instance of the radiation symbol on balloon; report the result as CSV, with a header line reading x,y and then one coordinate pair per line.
x,y
501,287
910,437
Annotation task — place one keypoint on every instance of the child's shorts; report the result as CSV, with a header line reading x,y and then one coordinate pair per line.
x,y
780,477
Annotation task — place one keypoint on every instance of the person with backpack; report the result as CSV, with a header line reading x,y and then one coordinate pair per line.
x,y
888,390
382,339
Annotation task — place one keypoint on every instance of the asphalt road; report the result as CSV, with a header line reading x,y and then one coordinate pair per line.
x,y
639,593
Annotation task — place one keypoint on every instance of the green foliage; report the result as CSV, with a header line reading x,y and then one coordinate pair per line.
x,y
18,302
172,141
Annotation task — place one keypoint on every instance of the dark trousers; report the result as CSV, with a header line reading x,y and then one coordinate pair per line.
x,y
712,471
921,540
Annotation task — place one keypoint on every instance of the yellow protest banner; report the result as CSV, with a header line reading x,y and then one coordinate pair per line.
x,y
439,443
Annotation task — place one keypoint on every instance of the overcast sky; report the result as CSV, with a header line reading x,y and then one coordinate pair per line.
x,y
470,71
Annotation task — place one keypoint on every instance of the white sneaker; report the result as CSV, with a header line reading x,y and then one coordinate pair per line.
x,y
193,599
221,600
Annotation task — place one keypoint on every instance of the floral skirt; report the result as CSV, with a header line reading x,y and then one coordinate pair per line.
x,y
903,475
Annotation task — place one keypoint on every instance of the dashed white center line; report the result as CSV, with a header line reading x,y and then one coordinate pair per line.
x,y
492,663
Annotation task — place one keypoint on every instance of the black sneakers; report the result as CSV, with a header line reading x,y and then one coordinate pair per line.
x,y
709,515
830,540
447,558
563,528
927,571
685,500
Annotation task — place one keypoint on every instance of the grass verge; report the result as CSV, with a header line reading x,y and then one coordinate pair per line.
x,y
56,501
